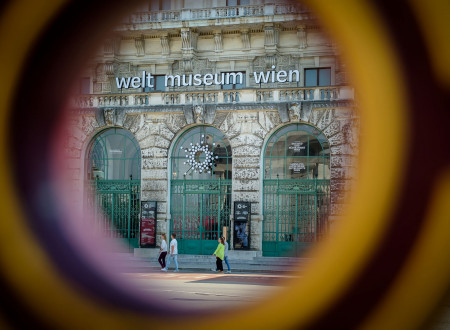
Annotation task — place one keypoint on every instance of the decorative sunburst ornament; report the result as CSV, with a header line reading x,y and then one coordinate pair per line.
x,y
193,153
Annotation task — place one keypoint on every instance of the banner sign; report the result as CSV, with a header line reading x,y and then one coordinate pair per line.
x,y
147,237
241,237
242,211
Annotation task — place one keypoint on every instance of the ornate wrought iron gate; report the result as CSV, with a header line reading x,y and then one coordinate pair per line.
x,y
116,205
295,215
200,209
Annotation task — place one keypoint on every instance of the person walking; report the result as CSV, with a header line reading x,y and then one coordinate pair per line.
x,y
173,250
163,252
226,255
220,253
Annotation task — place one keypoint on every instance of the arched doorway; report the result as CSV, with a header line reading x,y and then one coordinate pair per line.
x,y
114,185
200,205
296,190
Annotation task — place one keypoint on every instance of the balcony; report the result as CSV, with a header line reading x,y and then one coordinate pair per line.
x,y
216,13
255,96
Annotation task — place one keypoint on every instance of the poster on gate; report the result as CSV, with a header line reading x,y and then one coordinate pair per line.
x,y
147,236
241,225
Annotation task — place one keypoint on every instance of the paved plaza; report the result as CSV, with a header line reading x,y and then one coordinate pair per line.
x,y
208,290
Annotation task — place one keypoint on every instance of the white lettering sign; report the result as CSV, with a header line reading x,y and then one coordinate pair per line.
x,y
297,167
224,78
297,146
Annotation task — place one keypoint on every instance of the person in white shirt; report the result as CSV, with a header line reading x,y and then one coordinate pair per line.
x,y
163,252
173,250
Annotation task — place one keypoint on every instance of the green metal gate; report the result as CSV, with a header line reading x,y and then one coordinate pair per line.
x,y
295,215
200,212
296,189
113,160
116,206
200,195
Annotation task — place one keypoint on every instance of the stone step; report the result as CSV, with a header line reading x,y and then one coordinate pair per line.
x,y
205,263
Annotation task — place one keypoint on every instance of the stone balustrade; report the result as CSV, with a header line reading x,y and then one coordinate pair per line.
x,y
217,97
217,12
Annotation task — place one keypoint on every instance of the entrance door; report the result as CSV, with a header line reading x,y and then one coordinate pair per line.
x,y
200,190
296,190
200,212
113,173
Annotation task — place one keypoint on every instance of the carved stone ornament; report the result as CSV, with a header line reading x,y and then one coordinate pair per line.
x,y
218,41
140,46
295,112
165,44
198,113
109,116
108,67
245,36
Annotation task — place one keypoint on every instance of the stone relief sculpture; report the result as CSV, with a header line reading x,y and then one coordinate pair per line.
x,y
109,116
295,112
198,114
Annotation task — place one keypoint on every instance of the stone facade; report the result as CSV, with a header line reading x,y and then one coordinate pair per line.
x,y
212,40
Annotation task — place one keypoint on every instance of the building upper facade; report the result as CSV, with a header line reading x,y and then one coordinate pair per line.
x,y
190,48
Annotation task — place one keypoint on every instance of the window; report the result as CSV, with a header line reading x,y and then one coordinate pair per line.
x,y
156,5
234,80
114,155
317,77
237,2
158,83
297,152
85,85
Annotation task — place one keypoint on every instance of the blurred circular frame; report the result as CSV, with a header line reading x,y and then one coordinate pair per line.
x,y
366,46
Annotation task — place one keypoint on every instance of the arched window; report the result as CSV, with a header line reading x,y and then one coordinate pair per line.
x,y
113,173
200,205
114,155
296,189
202,153
297,152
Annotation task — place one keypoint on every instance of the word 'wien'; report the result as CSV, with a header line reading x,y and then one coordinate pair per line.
x,y
224,78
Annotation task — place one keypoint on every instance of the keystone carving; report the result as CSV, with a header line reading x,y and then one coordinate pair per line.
x,y
198,114
295,112
109,116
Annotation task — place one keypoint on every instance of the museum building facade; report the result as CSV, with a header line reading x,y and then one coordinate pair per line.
x,y
205,108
